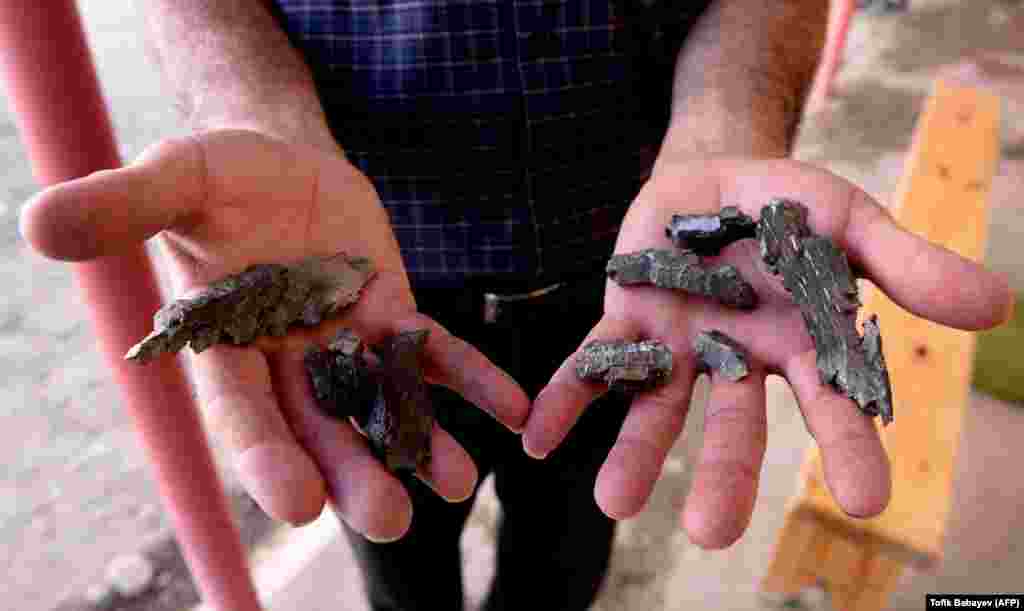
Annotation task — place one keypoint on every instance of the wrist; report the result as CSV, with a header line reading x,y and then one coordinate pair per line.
x,y
719,128
230,64
295,129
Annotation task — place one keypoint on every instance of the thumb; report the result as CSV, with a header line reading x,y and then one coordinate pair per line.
x,y
108,211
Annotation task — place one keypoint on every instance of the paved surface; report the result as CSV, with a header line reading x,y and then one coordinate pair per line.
x,y
74,488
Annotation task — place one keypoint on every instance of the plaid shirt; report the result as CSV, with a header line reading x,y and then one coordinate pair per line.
x,y
504,137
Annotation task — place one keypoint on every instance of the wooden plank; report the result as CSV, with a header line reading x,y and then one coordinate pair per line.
x,y
883,578
787,573
950,167
844,563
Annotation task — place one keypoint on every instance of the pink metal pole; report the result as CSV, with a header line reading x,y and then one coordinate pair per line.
x,y
48,70
840,13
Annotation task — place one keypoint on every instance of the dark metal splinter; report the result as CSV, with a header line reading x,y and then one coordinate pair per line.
x,y
625,366
682,271
389,400
718,352
817,274
264,299
708,234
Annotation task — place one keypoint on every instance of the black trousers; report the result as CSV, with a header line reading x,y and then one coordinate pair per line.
x,y
554,542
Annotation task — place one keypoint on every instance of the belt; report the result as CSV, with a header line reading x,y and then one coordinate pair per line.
x,y
493,301
486,299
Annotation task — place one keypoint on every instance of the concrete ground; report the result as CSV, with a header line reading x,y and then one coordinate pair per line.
x,y
74,487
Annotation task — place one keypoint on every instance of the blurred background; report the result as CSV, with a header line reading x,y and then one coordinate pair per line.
x,y
79,514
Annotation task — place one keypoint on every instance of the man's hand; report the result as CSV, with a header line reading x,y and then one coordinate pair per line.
x,y
222,201
927,280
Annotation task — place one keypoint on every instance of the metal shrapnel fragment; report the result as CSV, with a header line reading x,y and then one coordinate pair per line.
x,y
625,366
716,351
682,271
263,300
343,383
388,399
400,426
708,234
818,275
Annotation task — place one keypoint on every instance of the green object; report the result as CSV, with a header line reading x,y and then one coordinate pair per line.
x,y
998,359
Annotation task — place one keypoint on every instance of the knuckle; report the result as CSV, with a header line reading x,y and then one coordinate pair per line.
x,y
736,421
729,472
452,348
639,454
230,416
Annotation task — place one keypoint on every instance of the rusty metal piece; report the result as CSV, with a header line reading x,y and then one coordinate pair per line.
x,y
708,234
682,271
343,383
718,352
263,300
401,423
625,366
815,271
388,399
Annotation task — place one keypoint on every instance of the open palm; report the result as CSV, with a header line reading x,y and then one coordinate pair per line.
x,y
222,201
927,280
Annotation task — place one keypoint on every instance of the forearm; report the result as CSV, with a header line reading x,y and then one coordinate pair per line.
x,y
229,64
741,79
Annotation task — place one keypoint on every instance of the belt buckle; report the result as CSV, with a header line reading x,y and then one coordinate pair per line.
x,y
493,301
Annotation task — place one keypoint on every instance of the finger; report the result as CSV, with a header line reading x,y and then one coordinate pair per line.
x,y
561,402
721,498
653,424
364,494
451,472
241,410
856,466
108,211
456,364
923,278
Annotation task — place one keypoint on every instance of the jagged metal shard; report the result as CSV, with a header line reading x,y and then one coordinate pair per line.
x,y
625,366
818,275
682,271
708,234
343,383
400,425
388,399
263,300
716,351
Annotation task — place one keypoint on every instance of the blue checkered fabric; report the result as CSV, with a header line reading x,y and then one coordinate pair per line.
x,y
504,137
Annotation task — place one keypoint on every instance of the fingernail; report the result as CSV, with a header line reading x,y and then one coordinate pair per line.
x,y
533,453
384,539
461,499
425,479
469,491
394,538
283,481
